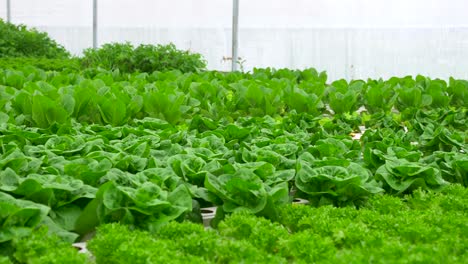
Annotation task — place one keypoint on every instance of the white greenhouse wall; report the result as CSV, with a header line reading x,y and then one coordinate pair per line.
x,y
347,38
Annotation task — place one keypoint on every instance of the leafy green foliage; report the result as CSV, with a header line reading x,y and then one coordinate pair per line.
x,y
150,172
19,63
5,260
19,41
343,97
116,99
244,190
459,89
335,181
144,151
418,227
18,217
147,206
260,232
103,97
118,244
453,166
379,96
174,243
401,175
144,58
41,248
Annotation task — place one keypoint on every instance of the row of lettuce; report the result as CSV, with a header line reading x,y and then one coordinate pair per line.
x,y
424,227
38,98
76,177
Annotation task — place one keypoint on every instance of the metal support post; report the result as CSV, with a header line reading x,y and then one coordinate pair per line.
x,y
8,10
235,26
95,23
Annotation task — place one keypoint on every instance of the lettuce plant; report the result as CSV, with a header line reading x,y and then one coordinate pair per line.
x,y
338,182
401,175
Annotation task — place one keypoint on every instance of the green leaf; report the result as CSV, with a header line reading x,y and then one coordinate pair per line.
x,y
46,112
342,184
113,111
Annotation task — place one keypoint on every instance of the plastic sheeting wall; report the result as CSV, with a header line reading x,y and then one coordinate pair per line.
x,y
347,38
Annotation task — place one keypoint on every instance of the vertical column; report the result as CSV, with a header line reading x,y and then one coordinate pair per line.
x,y
8,9
95,23
235,25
